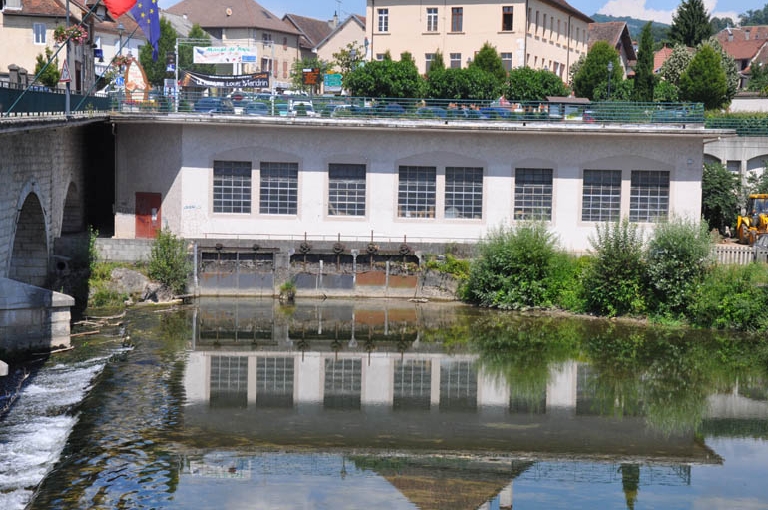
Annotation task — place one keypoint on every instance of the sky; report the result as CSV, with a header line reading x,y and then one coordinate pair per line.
x,y
656,10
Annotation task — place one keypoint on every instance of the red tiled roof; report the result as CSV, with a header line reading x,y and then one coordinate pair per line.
x,y
615,33
312,30
50,8
743,49
660,57
230,14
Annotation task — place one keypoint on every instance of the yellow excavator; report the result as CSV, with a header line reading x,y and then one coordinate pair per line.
x,y
753,220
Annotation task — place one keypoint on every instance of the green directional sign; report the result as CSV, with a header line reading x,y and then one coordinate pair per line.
x,y
332,82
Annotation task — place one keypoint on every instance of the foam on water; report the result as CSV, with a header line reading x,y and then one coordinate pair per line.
x,y
34,432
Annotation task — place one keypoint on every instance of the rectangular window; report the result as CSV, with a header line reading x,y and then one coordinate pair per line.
x,y
544,26
285,69
232,187
649,196
506,60
455,60
39,30
279,188
431,19
506,18
458,385
533,194
266,64
463,192
12,4
346,190
457,19
601,195
274,382
416,192
266,37
413,384
380,56
428,59
342,387
229,381
536,25
383,20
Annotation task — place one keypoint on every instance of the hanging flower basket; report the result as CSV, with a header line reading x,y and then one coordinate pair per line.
x,y
121,61
78,34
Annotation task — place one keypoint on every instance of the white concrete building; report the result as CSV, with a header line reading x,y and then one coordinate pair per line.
x,y
231,177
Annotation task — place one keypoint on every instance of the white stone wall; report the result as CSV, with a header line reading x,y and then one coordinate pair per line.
x,y
177,161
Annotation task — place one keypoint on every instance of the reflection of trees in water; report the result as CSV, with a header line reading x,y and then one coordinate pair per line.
x,y
630,483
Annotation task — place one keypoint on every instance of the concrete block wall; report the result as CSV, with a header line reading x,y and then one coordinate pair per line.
x,y
124,250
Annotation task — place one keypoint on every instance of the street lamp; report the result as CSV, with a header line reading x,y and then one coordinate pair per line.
x,y
610,72
67,84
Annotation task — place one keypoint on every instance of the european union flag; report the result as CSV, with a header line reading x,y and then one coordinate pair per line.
x,y
147,15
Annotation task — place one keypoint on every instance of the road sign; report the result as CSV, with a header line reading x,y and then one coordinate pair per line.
x,y
65,76
119,81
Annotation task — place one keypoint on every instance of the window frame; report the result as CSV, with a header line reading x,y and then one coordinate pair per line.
x,y
534,195
601,195
354,204
457,19
382,19
655,195
455,60
39,33
233,176
506,60
416,191
465,195
507,18
278,193
432,19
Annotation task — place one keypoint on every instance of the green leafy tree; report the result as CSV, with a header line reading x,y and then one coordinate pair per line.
x,y
594,71
704,80
186,59
720,189
665,92
526,84
720,23
385,78
49,77
758,78
438,63
463,84
754,17
676,64
690,23
732,76
348,58
645,80
155,69
297,73
489,61
168,261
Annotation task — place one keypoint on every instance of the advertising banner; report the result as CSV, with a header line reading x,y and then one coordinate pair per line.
x,y
224,54
255,80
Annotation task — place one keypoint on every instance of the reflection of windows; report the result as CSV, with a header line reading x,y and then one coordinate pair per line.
x,y
533,194
274,382
648,196
529,404
457,19
506,61
39,31
413,384
229,381
232,187
279,185
463,192
342,383
601,195
506,18
455,60
431,19
416,192
346,189
458,386
383,20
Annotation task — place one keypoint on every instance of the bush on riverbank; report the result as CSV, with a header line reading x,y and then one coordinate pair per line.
x,y
168,262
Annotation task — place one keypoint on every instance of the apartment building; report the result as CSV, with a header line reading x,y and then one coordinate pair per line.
x,y
541,34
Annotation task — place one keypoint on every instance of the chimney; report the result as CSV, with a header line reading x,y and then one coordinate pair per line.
x,y
746,35
335,21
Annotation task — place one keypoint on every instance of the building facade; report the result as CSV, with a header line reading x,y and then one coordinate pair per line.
x,y
541,34
425,181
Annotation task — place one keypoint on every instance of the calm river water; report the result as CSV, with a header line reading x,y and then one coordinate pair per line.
x,y
244,404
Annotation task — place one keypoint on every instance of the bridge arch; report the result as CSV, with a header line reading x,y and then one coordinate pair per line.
x,y
72,217
30,252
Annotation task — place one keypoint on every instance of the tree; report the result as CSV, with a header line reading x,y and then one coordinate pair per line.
x,y
155,69
719,196
594,70
758,78
49,77
186,59
676,64
384,78
456,83
489,60
732,77
297,73
690,23
720,23
665,92
348,58
754,17
645,80
526,84
704,80
438,63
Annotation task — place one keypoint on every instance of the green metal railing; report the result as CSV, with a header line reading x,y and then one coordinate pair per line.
x,y
744,125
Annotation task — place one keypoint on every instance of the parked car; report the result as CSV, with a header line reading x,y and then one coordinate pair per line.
x,y
432,112
496,113
214,105
389,110
281,109
256,108
302,109
465,114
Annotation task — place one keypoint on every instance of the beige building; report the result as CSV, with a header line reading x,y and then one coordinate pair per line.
x,y
246,22
536,33
351,31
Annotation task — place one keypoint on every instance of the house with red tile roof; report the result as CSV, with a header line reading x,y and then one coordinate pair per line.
x,y
615,33
746,45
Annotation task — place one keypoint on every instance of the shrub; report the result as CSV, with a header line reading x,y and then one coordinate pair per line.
x,y
168,262
677,257
732,297
514,268
613,283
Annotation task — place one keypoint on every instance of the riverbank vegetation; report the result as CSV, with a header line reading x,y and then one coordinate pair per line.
x,y
670,277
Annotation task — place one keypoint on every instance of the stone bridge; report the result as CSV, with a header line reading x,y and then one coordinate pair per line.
x,y
48,169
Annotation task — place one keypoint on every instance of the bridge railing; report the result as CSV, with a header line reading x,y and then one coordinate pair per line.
x,y
40,100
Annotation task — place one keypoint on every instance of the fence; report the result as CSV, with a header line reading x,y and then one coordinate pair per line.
x,y
734,254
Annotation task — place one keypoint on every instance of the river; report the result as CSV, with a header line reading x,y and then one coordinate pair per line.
x,y
243,403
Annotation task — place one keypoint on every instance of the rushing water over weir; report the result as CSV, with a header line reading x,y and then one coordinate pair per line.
x,y
379,404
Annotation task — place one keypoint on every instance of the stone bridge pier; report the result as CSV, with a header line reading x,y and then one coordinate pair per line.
x,y
46,169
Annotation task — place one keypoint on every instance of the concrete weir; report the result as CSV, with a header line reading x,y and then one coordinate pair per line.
x,y
32,318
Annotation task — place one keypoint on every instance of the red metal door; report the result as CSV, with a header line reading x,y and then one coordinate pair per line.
x,y
147,215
